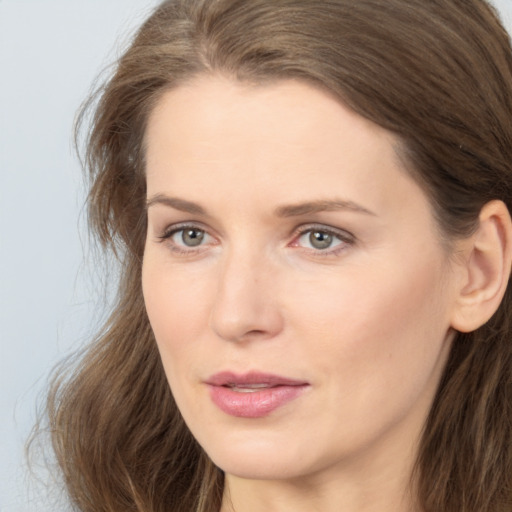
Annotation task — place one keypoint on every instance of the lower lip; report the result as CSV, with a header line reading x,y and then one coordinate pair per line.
x,y
254,404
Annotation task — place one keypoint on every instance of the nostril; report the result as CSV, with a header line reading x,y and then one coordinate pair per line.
x,y
255,332
240,314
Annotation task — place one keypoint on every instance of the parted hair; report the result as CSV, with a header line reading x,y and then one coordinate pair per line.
x,y
438,75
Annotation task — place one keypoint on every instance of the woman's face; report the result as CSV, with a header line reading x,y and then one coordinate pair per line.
x,y
299,293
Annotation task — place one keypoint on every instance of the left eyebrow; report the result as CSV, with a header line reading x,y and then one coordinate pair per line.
x,y
324,205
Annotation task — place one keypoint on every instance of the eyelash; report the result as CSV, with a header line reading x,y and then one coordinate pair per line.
x,y
345,238
173,230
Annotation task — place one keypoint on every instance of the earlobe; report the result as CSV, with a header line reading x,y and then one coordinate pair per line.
x,y
487,261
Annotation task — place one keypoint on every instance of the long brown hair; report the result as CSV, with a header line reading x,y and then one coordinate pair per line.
x,y
436,73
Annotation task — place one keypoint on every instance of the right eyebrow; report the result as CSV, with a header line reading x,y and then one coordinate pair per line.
x,y
176,203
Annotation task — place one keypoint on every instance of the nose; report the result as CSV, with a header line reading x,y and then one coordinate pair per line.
x,y
245,306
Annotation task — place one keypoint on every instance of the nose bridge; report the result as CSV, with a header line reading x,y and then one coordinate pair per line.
x,y
245,305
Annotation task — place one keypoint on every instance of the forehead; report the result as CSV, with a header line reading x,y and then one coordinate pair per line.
x,y
283,111
288,138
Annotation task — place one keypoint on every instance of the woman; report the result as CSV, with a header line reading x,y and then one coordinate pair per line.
x,y
310,205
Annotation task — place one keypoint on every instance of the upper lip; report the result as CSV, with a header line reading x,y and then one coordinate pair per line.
x,y
229,378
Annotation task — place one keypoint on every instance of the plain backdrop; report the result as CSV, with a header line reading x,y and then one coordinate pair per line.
x,y
50,53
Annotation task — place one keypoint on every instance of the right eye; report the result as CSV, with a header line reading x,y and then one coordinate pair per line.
x,y
189,237
185,239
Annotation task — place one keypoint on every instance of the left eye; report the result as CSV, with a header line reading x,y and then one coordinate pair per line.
x,y
190,237
319,239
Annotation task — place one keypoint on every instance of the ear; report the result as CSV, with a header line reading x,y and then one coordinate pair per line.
x,y
486,268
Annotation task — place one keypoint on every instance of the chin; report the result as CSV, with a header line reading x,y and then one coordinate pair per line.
x,y
258,469
257,459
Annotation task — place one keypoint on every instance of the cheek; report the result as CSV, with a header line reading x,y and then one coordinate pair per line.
x,y
173,309
177,305
380,326
377,341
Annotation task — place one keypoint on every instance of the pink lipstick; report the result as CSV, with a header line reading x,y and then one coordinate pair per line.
x,y
254,394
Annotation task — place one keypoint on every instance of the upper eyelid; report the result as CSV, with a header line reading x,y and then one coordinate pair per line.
x,y
303,228
341,233
171,229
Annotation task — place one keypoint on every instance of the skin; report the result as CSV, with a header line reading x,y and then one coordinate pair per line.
x,y
367,322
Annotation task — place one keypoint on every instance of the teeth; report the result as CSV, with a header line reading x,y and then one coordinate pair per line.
x,y
245,390
249,388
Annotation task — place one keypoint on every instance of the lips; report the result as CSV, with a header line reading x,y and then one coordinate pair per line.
x,y
254,394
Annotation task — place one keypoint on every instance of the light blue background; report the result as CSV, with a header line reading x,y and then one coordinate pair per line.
x,y
50,53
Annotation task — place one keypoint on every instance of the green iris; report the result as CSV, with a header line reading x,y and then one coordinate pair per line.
x,y
192,237
320,239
